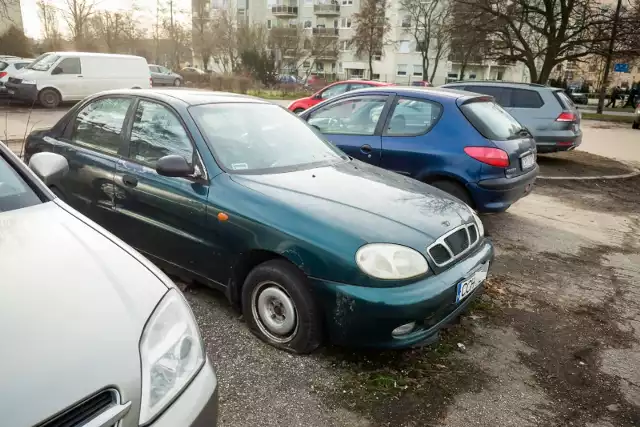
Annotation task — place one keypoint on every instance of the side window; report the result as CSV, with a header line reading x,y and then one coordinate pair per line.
x,y
68,66
412,117
334,91
356,86
156,133
496,92
98,126
20,65
154,69
523,98
353,116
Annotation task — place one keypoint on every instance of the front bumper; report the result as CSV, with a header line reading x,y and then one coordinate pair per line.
x,y
496,195
365,317
22,91
197,406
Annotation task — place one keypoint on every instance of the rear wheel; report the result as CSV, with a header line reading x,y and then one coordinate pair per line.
x,y
298,110
49,98
279,307
453,188
635,125
177,82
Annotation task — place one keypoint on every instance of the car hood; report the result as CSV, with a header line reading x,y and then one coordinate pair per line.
x,y
73,308
367,201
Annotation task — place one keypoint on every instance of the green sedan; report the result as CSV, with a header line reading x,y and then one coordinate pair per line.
x,y
241,195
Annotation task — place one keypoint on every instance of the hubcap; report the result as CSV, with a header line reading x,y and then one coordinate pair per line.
x,y
274,312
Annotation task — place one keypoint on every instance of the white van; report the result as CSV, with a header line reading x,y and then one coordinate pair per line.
x,y
56,77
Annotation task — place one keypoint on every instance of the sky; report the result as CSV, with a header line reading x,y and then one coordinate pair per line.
x,y
31,21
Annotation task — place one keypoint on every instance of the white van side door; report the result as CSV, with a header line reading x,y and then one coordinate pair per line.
x,y
67,77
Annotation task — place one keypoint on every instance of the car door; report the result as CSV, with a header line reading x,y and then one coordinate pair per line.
x,y
159,215
166,76
67,77
156,76
92,143
353,125
406,147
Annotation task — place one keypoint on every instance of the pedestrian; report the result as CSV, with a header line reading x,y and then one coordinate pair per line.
x,y
615,92
631,100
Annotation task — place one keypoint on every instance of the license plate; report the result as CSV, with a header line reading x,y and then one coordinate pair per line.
x,y
11,92
468,285
528,161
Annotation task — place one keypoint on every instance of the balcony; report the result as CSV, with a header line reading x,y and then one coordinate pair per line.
x,y
323,9
458,58
327,54
283,32
284,11
505,62
325,32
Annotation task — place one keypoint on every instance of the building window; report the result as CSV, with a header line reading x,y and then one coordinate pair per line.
x,y
335,23
356,73
406,21
472,76
345,23
268,23
452,75
306,64
344,45
339,67
347,2
401,70
307,44
403,47
499,76
375,76
377,56
307,24
319,67
417,71
308,2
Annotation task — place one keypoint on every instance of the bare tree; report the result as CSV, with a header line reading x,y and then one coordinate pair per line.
x,y
468,36
429,27
540,33
14,42
371,27
203,34
48,14
77,14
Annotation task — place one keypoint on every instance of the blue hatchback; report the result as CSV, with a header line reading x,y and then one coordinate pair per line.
x,y
462,143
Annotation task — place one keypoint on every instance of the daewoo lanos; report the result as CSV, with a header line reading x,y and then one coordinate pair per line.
x,y
242,195
93,334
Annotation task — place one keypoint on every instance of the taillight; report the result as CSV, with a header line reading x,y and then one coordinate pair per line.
x,y
566,117
150,82
490,156
2,74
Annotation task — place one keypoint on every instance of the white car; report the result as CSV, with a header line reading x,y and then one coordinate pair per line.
x,y
57,77
8,68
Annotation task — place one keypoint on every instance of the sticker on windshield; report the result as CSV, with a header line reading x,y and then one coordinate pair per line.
x,y
239,166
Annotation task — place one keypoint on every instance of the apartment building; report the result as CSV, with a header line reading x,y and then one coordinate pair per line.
x,y
327,27
10,15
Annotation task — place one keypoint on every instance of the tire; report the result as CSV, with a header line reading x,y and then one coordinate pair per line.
x,y
298,110
455,189
635,125
49,98
280,282
177,82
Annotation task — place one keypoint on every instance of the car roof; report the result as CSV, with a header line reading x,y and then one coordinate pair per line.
x,y
13,60
434,93
94,54
371,82
517,85
188,96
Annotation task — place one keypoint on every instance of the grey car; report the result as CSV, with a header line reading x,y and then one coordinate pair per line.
x,y
547,112
93,334
162,76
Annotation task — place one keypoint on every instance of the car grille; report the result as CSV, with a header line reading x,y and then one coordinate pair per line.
x,y
84,411
454,244
14,80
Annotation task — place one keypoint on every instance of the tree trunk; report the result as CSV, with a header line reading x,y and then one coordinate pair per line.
x,y
435,68
370,66
425,71
463,68
609,58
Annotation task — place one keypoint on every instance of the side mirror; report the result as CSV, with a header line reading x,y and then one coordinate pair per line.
x,y
317,96
174,165
49,167
56,70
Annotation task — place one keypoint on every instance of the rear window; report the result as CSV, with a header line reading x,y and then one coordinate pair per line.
x,y
20,65
491,120
523,98
3,65
564,100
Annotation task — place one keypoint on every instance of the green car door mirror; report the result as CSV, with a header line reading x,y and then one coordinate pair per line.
x,y
174,165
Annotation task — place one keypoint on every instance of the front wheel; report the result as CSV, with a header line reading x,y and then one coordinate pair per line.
x,y
279,307
49,98
177,82
635,125
455,189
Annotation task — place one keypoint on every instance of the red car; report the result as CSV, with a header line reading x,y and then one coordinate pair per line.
x,y
330,91
422,83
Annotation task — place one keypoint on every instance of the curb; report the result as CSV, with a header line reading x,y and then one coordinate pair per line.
x,y
635,172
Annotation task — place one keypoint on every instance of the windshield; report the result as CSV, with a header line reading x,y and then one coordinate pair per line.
x,y
3,65
43,62
14,191
261,138
492,121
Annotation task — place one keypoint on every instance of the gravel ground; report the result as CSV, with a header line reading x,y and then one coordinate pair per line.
x,y
553,341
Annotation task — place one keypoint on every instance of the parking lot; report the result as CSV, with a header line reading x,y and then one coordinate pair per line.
x,y
554,340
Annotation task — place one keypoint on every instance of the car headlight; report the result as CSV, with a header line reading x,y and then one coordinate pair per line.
x,y
171,352
478,222
389,261
29,82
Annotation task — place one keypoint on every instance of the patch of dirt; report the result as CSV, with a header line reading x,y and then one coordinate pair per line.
x,y
618,195
412,387
579,163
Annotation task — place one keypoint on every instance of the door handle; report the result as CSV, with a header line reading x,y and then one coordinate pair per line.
x,y
130,181
366,149
79,76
